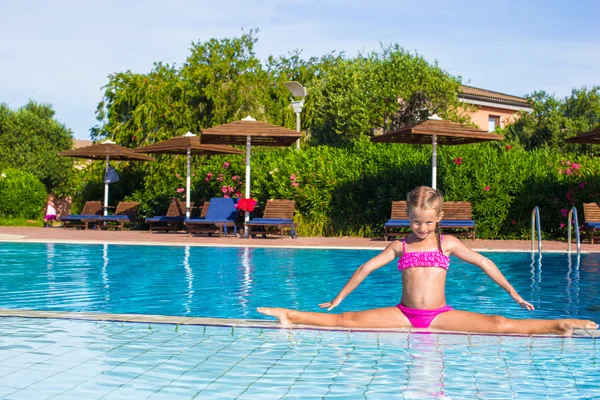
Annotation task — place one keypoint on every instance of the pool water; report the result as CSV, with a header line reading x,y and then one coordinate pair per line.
x,y
232,282
62,359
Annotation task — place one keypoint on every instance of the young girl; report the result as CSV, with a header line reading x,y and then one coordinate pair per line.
x,y
50,212
424,257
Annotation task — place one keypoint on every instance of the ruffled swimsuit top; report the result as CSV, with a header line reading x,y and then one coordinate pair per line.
x,y
422,258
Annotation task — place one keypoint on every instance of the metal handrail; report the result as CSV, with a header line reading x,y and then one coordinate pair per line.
x,y
577,237
535,223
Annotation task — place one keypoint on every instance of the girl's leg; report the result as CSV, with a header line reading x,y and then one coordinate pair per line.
x,y
388,317
465,321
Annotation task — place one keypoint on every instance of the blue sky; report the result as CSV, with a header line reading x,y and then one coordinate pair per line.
x,y
60,52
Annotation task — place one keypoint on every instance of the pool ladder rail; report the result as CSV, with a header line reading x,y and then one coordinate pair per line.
x,y
573,213
535,223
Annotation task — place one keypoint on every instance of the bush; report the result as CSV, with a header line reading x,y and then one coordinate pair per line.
x,y
21,195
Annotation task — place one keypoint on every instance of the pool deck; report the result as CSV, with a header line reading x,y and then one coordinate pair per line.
x,y
59,235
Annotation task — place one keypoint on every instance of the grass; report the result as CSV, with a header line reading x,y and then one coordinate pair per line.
x,y
11,221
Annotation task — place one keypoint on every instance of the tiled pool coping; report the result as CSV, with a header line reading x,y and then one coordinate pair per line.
x,y
243,323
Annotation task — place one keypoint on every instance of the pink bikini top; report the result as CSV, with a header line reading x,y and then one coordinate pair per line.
x,y
422,258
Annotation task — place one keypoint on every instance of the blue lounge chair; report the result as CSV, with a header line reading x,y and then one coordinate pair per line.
x,y
279,214
591,216
91,211
126,213
399,220
173,219
221,214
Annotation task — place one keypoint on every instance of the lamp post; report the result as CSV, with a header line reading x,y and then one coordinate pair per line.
x,y
297,90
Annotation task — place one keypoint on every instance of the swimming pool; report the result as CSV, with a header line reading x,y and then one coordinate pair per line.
x,y
232,282
43,358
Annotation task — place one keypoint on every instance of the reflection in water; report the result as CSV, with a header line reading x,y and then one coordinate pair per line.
x,y
425,371
246,284
105,284
573,285
189,278
536,277
50,255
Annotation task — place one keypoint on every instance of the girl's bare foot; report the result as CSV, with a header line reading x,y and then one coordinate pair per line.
x,y
282,314
567,326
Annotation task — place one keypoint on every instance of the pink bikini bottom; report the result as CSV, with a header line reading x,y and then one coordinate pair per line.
x,y
422,318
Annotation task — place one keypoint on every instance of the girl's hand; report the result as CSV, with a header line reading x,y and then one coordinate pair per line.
x,y
330,305
523,303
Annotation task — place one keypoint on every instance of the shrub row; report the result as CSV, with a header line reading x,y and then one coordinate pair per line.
x,y
348,191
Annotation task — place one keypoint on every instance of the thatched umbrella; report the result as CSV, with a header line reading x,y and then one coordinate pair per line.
x,y
188,144
106,150
591,137
437,131
249,132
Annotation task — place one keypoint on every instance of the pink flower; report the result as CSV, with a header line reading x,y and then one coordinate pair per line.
x,y
226,196
226,164
508,147
207,179
293,177
224,189
238,194
177,176
575,166
458,160
487,188
564,212
582,185
220,179
568,162
562,224
513,222
295,184
560,171
208,176
234,178
180,190
568,171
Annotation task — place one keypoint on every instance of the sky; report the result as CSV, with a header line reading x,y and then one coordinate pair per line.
x,y
60,52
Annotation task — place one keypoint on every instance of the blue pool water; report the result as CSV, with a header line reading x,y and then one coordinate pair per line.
x,y
232,282
62,359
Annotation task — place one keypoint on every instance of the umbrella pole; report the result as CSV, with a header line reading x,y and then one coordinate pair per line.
x,y
106,188
188,184
434,162
247,214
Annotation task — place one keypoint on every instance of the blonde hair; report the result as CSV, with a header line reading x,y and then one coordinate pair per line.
x,y
426,198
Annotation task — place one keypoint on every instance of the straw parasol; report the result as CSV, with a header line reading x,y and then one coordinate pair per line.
x,y
437,131
106,150
250,132
188,144
591,137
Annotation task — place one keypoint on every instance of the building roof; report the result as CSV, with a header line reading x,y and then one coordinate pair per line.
x,y
77,143
473,93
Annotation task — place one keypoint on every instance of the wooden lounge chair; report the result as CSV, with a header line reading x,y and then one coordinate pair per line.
x,y
91,210
172,220
399,220
591,215
219,216
457,215
126,213
279,214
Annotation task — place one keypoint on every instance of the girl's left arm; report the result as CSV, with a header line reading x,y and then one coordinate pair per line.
x,y
465,253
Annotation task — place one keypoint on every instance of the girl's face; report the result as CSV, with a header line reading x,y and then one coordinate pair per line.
x,y
423,222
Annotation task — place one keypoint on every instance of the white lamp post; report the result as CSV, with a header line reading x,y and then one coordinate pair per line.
x,y
297,90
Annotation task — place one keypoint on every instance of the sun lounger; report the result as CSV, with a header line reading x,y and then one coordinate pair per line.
x,y
591,214
220,215
172,220
91,210
279,214
457,215
399,220
126,213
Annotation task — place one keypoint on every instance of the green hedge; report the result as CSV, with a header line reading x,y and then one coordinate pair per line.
x,y
22,195
348,191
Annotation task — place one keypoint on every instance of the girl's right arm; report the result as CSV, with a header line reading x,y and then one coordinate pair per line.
x,y
392,251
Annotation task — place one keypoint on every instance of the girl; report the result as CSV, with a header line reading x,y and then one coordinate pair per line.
x,y
50,212
424,257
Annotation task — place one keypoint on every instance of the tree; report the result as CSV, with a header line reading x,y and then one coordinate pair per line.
x,y
553,119
30,139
